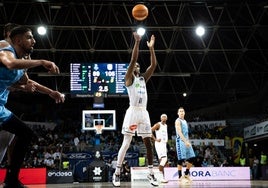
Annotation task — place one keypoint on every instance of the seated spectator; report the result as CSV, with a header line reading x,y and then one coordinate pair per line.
x,y
65,165
224,163
204,163
230,161
242,160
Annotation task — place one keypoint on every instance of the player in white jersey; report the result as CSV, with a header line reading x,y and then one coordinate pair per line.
x,y
161,138
137,118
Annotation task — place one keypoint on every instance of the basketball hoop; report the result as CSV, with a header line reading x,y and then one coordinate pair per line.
x,y
98,129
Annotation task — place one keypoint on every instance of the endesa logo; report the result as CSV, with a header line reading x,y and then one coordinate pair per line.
x,y
60,174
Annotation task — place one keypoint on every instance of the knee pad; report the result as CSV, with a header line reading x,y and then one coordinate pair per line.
x,y
163,161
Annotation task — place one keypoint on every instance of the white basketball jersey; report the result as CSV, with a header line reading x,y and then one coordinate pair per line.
x,y
137,92
162,132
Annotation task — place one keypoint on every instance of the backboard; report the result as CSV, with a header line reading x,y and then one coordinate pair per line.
x,y
98,119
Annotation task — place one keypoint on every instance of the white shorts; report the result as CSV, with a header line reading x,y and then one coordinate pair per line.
x,y
161,149
5,140
137,120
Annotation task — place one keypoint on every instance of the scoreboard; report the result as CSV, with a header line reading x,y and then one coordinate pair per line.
x,y
89,78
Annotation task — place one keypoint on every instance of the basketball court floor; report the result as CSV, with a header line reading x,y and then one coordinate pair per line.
x,y
171,184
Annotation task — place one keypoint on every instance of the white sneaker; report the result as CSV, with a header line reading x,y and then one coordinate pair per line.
x,y
164,181
116,180
152,180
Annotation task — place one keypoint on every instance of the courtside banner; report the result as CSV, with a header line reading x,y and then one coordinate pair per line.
x,y
59,176
29,175
140,173
211,173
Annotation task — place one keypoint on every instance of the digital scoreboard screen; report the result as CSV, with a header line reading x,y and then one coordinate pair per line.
x,y
89,78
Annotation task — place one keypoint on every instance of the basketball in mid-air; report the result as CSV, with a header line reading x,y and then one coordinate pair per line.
x,y
140,12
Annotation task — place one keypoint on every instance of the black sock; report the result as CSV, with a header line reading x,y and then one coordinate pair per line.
x,y
186,172
179,173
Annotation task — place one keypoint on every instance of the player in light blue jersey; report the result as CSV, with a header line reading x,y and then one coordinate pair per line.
x,y
12,70
184,148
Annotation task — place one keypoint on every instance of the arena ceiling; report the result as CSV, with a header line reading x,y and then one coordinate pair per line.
x,y
228,64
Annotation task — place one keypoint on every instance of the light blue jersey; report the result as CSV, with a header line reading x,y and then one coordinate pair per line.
x,y
7,78
183,152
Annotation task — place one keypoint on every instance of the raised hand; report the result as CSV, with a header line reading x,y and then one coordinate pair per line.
x,y
136,36
150,43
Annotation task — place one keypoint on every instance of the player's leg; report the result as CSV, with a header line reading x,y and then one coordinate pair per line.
x,y
179,166
181,155
5,140
189,164
10,148
121,155
128,132
144,130
163,162
149,152
161,151
3,145
24,136
190,156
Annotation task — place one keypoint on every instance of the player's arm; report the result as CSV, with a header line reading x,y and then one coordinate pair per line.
x,y
33,86
179,131
23,85
8,59
150,70
57,96
19,87
133,60
155,127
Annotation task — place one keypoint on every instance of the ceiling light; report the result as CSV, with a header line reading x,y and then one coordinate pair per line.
x,y
141,31
200,31
41,30
55,7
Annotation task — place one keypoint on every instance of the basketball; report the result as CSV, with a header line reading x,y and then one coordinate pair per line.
x,y
140,12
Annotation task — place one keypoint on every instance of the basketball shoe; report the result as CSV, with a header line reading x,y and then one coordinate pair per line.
x,y
116,180
152,180
164,181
